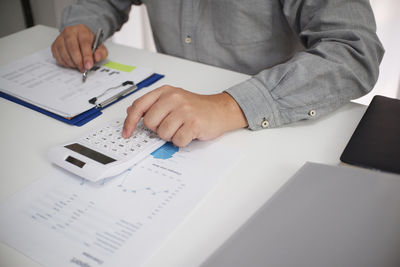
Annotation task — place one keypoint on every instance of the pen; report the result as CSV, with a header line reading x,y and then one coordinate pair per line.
x,y
96,43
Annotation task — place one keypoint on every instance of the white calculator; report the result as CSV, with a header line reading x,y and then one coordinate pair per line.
x,y
103,152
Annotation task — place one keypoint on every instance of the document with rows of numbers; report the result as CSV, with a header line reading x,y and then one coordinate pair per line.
x,y
38,80
63,220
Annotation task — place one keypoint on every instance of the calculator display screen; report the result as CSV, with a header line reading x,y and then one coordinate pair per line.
x,y
90,153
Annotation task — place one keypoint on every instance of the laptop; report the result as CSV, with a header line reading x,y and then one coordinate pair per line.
x,y
323,216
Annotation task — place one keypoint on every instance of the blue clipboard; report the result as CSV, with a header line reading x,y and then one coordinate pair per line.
x,y
88,115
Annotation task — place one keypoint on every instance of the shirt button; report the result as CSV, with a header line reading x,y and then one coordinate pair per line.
x,y
188,40
265,124
312,113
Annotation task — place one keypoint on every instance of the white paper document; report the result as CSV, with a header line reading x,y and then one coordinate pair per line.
x,y
62,220
38,80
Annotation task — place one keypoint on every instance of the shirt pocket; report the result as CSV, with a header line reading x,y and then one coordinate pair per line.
x,y
238,22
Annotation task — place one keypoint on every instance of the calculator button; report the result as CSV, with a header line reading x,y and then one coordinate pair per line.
x,y
116,123
109,140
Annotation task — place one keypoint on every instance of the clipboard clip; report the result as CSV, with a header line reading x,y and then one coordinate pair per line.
x,y
123,93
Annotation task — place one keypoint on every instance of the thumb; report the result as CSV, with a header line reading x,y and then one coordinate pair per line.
x,y
101,53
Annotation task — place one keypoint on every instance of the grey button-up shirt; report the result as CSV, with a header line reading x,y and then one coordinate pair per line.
x,y
306,57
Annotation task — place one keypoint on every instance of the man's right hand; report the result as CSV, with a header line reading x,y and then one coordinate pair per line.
x,y
73,48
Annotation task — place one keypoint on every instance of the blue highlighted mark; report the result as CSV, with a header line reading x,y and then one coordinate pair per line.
x,y
166,151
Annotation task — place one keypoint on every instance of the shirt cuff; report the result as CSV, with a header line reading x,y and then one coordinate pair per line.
x,y
256,103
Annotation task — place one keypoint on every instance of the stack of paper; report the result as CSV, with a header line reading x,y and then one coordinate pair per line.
x,y
63,220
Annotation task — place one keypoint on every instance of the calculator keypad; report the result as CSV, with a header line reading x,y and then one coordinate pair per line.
x,y
109,139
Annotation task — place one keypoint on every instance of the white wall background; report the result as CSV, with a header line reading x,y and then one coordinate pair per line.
x,y
45,12
136,32
388,29
11,17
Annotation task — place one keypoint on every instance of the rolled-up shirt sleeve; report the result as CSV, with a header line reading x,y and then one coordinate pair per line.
x,y
108,15
340,62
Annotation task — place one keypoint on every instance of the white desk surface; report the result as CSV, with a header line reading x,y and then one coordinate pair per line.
x,y
271,156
